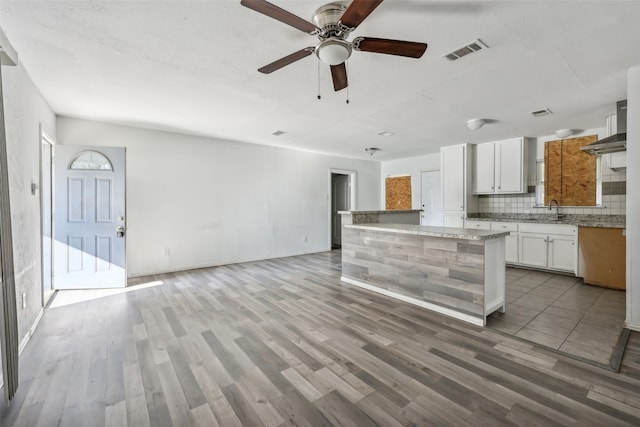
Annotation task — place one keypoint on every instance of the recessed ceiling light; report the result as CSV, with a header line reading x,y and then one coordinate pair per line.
x,y
385,133
278,133
541,113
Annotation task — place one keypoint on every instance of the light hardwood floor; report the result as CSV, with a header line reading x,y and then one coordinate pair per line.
x,y
284,342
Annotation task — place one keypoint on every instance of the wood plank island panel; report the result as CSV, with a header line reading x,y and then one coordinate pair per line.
x,y
460,277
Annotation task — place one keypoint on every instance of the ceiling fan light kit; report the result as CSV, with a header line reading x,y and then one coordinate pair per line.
x,y
333,51
475,124
332,24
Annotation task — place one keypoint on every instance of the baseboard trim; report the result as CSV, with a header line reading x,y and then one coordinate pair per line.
x,y
433,307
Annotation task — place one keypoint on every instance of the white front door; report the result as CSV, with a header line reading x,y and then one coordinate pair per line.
x,y
89,250
430,191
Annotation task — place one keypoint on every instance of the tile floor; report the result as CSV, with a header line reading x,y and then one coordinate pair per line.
x,y
562,313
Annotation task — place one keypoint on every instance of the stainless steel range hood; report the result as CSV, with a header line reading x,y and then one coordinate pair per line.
x,y
614,143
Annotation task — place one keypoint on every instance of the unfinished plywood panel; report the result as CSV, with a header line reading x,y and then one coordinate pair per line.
x,y
552,171
570,173
578,173
398,192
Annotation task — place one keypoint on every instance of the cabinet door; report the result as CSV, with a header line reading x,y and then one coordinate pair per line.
x,y
509,165
533,249
452,170
562,252
484,168
511,248
453,220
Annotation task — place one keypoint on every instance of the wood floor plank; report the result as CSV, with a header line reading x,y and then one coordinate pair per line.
x,y
283,342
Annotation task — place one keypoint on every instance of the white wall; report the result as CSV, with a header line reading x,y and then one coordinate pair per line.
x,y
408,166
214,202
633,199
25,110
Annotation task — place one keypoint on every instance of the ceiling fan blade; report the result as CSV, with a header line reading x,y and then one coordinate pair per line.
x,y
339,74
282,62
275,12
357,11
390,47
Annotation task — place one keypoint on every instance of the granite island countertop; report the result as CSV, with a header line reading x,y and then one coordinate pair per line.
x,y
423,230
384,211
600,221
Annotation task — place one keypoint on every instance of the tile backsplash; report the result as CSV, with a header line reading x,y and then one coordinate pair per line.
x,y
614,200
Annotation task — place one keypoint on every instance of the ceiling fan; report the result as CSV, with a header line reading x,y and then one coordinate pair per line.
x,y
332,24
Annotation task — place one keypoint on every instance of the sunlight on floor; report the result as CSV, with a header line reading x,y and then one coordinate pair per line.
x,y
67,297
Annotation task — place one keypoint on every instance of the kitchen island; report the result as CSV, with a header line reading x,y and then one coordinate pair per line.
x,y
454,271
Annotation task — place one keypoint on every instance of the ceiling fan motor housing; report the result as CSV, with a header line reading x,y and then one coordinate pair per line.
x,y
327,17
333,49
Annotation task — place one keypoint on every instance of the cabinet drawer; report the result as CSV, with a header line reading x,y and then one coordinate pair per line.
x,y
504,226
565,229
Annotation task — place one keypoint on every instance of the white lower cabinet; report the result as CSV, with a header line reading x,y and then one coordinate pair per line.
x,y
546,246
533,249
550,246
562,253
510,242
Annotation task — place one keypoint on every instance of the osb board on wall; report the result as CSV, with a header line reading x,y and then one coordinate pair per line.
x,y
570,173
398,192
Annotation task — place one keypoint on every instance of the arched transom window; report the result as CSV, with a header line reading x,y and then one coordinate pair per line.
x,y
91,160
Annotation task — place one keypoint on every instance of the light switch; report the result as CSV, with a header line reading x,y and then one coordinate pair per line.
x,y
34,188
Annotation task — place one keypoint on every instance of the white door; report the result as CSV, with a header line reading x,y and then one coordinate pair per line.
x,y
339,202
431,198
89,251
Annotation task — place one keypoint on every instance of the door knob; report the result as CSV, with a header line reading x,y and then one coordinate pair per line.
x,y
120,231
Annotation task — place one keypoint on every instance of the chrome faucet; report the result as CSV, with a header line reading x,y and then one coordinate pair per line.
x,y
551,202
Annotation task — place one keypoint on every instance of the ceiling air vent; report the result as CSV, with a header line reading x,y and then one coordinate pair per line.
x,y
474,46
541,113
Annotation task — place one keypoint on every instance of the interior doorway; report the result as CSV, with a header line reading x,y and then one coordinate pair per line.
x,y
46,207
431,198
342,199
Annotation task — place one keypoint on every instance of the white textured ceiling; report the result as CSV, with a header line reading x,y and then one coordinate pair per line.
x,y
190,66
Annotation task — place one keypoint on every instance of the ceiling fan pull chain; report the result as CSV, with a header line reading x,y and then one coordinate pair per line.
x,y
319,97
347,68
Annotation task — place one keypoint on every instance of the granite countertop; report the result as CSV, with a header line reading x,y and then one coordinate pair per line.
x,y
422,230
379,212
600,221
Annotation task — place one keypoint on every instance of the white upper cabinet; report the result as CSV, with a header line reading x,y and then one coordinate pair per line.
x,y
501,167
484,169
